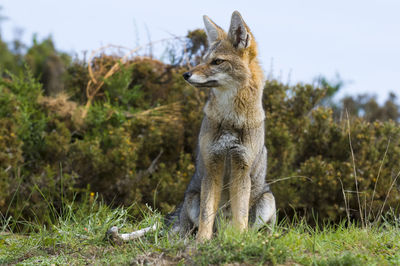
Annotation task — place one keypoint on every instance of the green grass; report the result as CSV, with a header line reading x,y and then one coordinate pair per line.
x,y
77,237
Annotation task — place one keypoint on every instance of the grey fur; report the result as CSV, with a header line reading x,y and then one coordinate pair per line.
x,y
228,144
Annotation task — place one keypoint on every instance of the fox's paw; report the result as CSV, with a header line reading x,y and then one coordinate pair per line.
x,y
240,154
113,237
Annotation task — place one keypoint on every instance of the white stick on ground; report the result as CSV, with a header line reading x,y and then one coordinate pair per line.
x,y
116,237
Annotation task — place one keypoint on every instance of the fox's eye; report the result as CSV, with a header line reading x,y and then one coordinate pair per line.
x,y
216,61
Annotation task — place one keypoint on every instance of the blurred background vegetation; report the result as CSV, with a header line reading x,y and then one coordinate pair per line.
x,y
125,125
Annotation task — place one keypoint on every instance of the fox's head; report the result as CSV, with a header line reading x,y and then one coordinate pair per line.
x,y
231,58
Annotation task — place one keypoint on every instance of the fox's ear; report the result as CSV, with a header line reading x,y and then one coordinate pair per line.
x,y
213,31
239,33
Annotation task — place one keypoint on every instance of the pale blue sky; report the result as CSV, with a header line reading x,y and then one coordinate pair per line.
x,y
358,39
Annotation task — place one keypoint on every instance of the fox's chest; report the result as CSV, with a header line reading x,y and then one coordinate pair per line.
x,y
222,107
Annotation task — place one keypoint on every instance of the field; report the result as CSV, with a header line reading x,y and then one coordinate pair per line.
x,y
78,237
90,144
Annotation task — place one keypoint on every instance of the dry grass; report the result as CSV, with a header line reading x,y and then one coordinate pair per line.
x,y
63,107
100,70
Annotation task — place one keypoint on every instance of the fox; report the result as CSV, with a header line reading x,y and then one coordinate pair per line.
x,y
231,160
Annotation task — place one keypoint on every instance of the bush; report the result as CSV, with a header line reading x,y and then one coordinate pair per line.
x,y
134,141
312,150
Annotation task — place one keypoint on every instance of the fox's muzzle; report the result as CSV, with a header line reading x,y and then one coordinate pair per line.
x,y
187,75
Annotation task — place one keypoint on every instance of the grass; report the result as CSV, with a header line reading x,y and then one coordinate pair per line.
x,y
77,237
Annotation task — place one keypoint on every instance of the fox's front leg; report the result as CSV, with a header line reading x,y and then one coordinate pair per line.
x,y
240,187
211,188
240,198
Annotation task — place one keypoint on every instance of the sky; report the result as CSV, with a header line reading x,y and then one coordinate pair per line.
x,y
299,40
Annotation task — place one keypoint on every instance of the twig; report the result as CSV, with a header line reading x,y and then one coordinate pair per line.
x,y
153,164
354,169
289,177
151,168
377,178
345,201
377,218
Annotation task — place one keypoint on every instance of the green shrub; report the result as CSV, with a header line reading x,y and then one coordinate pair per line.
x,y
307,145
136,143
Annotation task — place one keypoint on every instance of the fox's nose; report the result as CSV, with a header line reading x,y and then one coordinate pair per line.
x,y
187,75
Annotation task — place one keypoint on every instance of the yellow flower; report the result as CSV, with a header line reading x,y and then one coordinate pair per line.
x,y
91,194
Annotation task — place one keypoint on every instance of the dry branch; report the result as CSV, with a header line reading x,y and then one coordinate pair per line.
x,y
94,84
